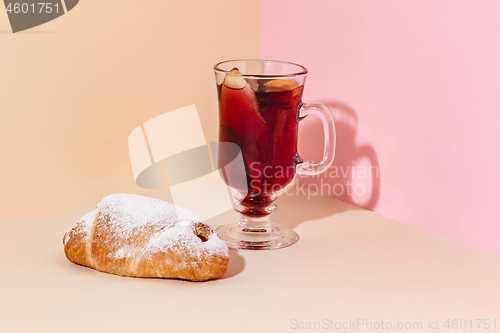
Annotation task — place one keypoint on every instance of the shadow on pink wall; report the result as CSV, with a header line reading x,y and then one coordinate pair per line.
x,y
354,176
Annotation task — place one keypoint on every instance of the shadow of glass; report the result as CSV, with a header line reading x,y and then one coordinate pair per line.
x,y
297,205
354,176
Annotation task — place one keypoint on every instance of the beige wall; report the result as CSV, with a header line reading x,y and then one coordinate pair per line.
x,y
73,89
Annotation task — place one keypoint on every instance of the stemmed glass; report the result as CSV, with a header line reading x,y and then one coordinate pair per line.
x,y
260,107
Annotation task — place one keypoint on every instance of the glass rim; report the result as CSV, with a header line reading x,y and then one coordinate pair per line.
x,y
303,70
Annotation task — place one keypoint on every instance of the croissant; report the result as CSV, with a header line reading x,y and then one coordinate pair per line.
x,y
132,235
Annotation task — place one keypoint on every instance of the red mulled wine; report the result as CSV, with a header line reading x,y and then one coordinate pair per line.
x,y
260,117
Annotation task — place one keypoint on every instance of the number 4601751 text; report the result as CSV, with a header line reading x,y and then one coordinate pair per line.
x,y
39,8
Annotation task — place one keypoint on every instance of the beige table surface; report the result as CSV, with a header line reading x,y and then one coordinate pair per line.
x,y
350,264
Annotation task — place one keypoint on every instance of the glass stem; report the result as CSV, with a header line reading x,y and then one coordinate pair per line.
x,y
255,224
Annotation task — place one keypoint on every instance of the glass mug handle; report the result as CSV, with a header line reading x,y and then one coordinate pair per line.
x,y
326,117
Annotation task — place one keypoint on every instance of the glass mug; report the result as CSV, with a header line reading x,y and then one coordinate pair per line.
x,y
260,106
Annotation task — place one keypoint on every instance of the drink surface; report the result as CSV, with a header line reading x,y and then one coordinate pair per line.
x,y
261,119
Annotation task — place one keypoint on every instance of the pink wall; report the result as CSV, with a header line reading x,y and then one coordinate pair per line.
x,y
415,88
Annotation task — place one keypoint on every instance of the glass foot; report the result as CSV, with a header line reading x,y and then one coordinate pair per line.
x,y
264,237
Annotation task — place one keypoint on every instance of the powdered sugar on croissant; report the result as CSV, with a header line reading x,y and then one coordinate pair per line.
x,y
132,235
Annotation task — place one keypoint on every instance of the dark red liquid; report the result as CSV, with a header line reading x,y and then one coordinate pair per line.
x,y
264,125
